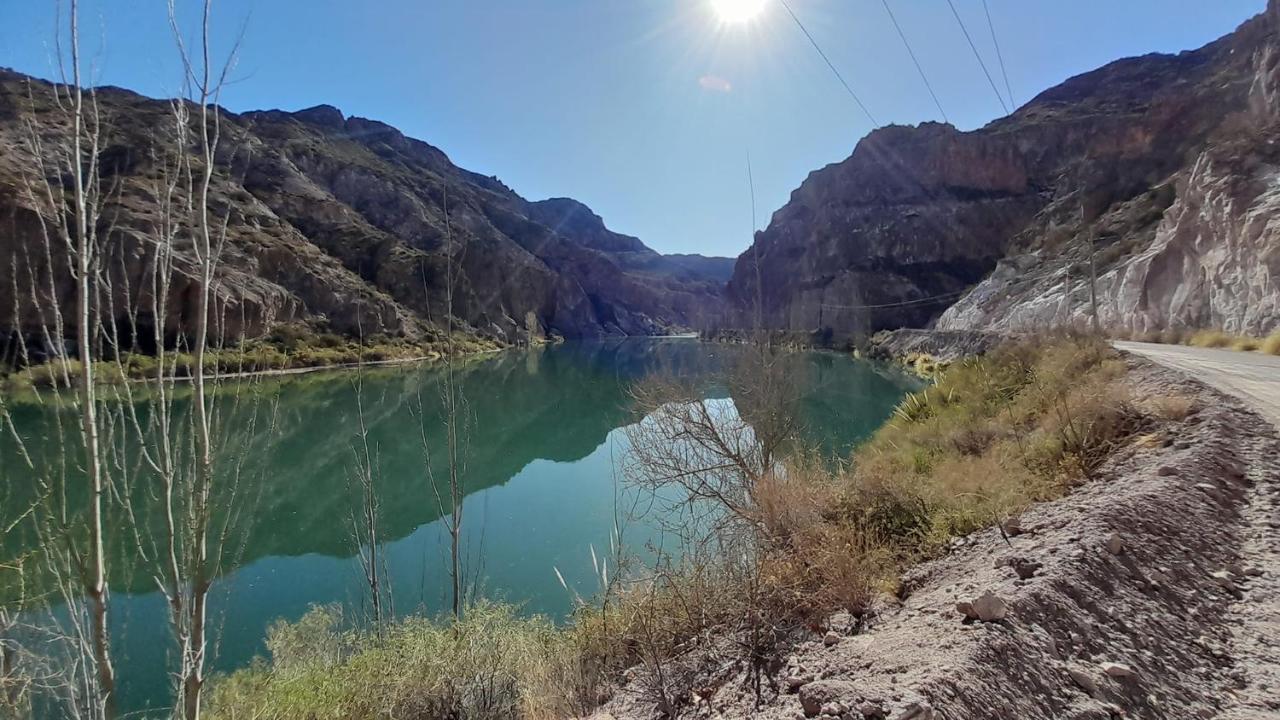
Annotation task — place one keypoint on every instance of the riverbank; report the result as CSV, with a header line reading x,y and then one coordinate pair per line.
x,y
1128,596
990,439
252,359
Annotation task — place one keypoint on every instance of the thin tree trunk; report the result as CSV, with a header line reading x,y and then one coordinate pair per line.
x,y
451,408
96,575
201,581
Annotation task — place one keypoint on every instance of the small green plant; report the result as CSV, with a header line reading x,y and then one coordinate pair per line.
x,y
492,664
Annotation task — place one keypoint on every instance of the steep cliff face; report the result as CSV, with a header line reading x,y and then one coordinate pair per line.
x,y
339,222
1162,169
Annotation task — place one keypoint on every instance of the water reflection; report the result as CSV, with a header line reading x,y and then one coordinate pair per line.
x,y
545,434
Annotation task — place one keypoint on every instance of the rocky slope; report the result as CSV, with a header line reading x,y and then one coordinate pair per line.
x,y
1150,592
1166,164
339,222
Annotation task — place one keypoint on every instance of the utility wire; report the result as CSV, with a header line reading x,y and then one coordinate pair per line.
x,y
978,55
917,301
839,77
912,53
991,26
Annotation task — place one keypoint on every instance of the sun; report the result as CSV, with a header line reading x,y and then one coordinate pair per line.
x,y
738,11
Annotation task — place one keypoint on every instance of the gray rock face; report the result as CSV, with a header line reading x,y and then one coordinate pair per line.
x,y
1165,169
341,222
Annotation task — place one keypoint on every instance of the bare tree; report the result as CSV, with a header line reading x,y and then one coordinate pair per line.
x,y
63,188
456,420
366,514
189,583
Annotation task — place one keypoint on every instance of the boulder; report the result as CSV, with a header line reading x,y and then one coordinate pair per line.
x,y
820,693
989,607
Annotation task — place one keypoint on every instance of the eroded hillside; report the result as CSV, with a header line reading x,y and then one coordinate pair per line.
x,y
338,222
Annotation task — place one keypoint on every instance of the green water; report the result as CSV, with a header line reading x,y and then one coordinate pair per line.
x,y
546,434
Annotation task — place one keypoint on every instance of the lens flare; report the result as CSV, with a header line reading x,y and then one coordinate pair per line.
x,y
737,11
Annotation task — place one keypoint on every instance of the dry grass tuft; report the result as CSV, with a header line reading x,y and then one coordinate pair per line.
x,y
1171,407
1212,339
1271,345
492,664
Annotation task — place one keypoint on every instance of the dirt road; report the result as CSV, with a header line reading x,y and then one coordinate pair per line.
x,y
1252,377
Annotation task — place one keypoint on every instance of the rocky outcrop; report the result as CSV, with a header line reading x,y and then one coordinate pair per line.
x,y
1159,171
340,222
941,345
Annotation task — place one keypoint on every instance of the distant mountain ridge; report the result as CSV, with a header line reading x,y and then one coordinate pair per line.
x,y
1167,165
339,222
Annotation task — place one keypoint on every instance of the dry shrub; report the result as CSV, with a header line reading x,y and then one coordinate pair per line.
x,y
831,567
969,493
1170,407
790,500
992,436
1212,339
492,664
1246,344
1271,345
1086,424
973,439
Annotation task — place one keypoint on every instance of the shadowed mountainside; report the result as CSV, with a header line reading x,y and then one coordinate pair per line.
x,y
339,222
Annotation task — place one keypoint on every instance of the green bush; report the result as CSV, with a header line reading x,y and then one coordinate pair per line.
x,y
492,664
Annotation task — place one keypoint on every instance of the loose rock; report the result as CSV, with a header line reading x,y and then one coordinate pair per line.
x,y
816,695
1026,569
917,711
1115,544
1117,670
1012,526
990,608
1225,579
1084,680
871,711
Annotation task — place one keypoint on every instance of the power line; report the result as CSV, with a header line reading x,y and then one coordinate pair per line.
x,y
915,61
917,301
978,55
991,26
839,77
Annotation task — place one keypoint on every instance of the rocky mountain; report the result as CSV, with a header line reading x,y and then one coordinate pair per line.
x,y
340,222
1162,172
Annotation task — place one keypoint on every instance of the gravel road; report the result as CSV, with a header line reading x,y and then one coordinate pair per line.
x,y
1252,377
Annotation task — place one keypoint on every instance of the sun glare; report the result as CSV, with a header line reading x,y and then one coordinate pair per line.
x,y
737,11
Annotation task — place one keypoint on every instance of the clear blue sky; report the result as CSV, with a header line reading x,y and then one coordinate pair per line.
x,y
643,109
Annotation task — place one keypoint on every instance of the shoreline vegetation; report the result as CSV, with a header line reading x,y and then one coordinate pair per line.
x,y
281,353
809,537
277,355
